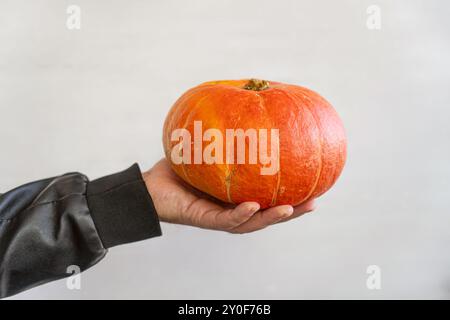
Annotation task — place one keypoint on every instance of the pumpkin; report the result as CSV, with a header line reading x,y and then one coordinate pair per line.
x,y
310,147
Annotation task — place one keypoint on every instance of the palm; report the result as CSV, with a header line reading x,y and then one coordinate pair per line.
x,y
177,202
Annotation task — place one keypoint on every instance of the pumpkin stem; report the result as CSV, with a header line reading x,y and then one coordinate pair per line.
x,y
256,85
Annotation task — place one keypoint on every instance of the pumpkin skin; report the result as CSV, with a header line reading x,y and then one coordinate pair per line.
x,y
312,142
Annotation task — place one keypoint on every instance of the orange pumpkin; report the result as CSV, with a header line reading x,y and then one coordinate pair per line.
x,y
311,149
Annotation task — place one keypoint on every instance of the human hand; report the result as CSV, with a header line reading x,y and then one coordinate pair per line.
x,y
177,202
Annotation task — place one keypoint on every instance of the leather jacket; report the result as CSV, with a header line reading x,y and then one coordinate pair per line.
x,y
48,226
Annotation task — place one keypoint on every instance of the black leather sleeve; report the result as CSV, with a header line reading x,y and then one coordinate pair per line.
x,y
50,225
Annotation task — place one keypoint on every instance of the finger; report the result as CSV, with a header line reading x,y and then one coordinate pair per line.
x,y
231,218
301,210
264,218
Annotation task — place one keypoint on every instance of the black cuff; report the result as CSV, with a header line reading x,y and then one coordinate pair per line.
x,y
122,208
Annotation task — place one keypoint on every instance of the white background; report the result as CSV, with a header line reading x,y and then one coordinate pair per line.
x,y
94,100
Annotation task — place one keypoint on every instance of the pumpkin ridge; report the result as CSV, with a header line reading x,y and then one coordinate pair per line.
x,y
319,170
231,170
276,189
186,123
228,182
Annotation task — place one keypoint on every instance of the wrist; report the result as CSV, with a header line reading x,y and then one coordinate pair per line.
x,y
152,191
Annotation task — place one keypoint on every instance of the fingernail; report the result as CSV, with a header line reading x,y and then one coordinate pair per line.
x,y
288,211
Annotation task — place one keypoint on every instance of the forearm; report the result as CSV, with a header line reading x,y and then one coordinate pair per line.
x,y
48,225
